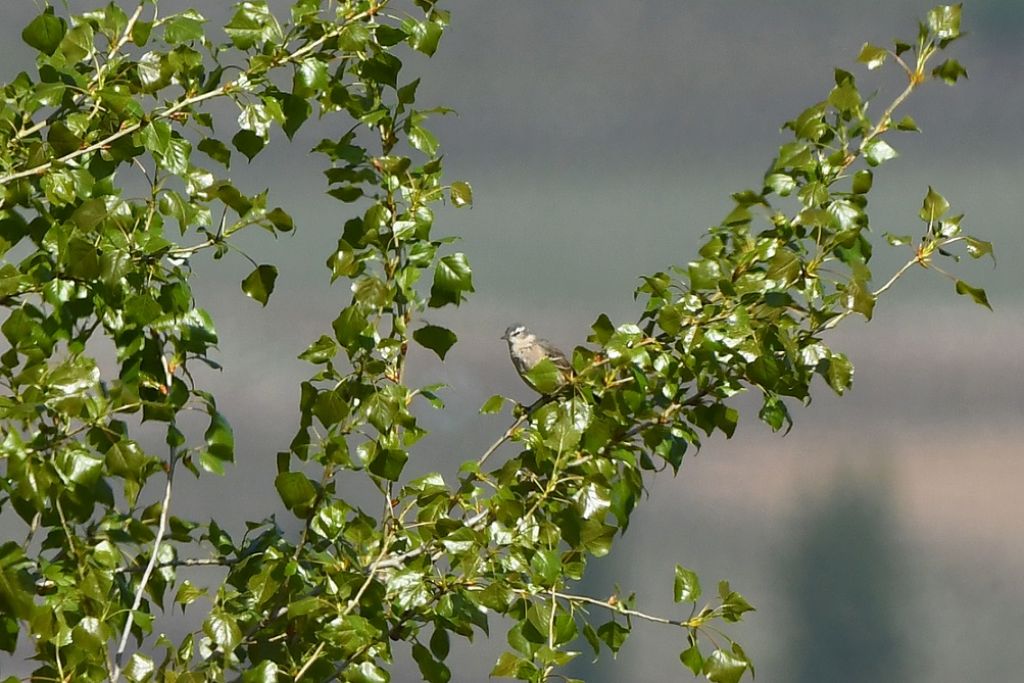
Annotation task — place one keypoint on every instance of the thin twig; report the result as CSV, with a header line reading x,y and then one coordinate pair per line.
x,y
530,410
618,608
832,322
165,514
309,662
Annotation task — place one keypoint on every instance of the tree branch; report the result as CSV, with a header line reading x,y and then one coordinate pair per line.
x,y
185,103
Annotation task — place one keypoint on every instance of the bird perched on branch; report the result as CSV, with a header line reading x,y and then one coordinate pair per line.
x,y
528,350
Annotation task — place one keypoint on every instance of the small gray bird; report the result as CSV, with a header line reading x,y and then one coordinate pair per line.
x,y
527,349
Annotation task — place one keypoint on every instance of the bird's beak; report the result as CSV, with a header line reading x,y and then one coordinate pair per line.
x,y
503,337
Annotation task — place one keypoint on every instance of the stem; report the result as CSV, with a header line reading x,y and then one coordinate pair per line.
x,y
309,662
616,607
832,322
530,410
165,513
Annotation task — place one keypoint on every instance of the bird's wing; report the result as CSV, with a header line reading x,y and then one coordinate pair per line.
x,y
557,357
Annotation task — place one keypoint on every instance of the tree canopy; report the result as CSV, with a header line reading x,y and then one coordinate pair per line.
x,y
124,98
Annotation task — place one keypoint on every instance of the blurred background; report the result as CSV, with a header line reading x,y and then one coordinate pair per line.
x,y
883,538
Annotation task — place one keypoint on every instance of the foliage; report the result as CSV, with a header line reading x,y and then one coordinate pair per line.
x,y
118,95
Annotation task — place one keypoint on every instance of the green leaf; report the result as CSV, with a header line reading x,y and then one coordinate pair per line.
x,y
862,181
139,668
686,587
297,492
310,77
220,444
320,351
388,463
978,248
432,670
187,594
437,339
462,194
452,279
724,667
907,123
692,659
366,672
45,32
934,207
253,23
872,56
223,630
782,183
774,413
424,37
216,150
950,71
545,377
248,143
613,634
878,152
546,567
845,97
944,21
975,293
493,405
839,374
281,220
264,672
183,28
259,284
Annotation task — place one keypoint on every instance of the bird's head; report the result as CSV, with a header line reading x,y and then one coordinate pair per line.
x,y
515,332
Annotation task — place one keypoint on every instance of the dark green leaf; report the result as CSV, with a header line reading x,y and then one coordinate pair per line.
x,y
264,672
692,659
975,293
686,587
723,667
281,220
978,248
248,143
259,284
432,670
424,37
216,150
950,71
462,194
452,280
220,444
45,32
935,207
388,463
296,490
613,634
437,339
862,181
908,124
320,351
872,56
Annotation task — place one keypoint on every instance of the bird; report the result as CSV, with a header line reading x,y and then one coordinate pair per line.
x,y
527,350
